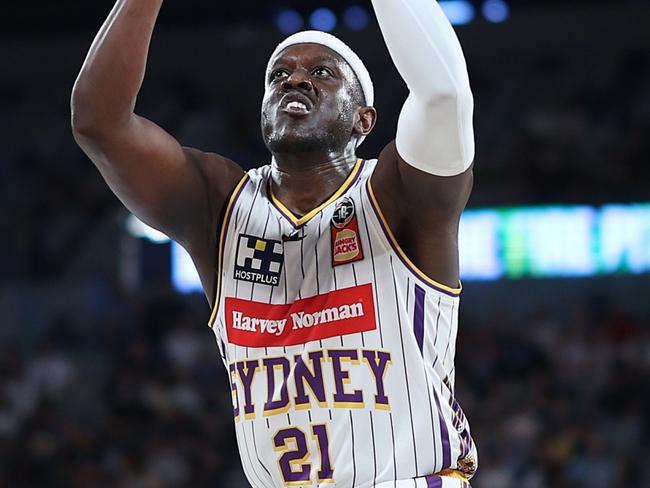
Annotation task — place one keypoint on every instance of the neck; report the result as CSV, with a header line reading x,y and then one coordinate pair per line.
x,y
304,181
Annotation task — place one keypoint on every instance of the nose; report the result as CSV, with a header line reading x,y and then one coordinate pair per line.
x,y
298,79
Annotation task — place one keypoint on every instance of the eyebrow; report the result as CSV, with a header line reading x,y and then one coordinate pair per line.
x,y
321,59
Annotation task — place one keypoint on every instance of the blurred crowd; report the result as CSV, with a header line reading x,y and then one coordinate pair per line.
x,y
136,398
136,395
564,128
559,401
139,398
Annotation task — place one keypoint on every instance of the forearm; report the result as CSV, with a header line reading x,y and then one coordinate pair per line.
x,y
106,89
435,131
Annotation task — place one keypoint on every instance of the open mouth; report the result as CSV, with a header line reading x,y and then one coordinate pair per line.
x,y
295,104
297,108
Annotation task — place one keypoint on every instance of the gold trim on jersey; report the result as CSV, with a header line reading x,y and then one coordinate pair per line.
x,y
222,237
298,221
402,254
452,473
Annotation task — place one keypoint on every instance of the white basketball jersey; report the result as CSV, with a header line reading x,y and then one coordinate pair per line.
x,y
340,351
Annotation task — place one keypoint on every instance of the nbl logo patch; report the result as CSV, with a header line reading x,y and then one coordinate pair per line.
x,y
344,228
258,260
343,213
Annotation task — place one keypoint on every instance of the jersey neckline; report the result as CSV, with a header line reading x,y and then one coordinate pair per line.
x,y
300,221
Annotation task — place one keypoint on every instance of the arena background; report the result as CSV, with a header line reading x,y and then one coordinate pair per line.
x,y
109,375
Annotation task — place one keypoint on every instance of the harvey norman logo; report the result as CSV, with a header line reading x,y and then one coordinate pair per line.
x,y
340,312
299,320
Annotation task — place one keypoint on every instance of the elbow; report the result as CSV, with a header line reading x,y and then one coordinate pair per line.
x,y
79,114
452,96
83,116
436,135
79,128
90,118
83,122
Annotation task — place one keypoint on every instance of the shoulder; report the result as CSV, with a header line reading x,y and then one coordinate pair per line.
x,y
369,166
259,174
220,174
366,171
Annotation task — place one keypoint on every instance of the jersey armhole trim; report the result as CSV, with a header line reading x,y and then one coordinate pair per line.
x,y
222,238
447,290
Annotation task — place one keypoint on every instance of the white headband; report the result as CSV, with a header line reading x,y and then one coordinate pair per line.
x,y
336,45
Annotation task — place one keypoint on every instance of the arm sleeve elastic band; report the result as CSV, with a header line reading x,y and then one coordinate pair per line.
x,y
434,132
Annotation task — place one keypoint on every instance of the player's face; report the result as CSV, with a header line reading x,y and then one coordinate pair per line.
x,y
309,103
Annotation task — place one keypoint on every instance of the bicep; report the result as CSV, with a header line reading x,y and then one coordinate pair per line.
x,y
174,189
423,212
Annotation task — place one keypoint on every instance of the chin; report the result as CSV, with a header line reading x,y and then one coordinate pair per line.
x,y
295,142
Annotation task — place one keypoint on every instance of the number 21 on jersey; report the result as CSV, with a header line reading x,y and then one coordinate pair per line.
x,y
294,462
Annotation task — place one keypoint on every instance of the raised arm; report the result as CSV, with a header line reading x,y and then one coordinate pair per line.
x,y
424,178
178,190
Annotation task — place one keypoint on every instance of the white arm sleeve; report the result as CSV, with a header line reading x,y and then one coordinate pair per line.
x,y
434,132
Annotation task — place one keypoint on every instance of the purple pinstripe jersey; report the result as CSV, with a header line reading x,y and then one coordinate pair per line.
x,y
340,351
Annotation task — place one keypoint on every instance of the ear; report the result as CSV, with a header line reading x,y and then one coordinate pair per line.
x,y
365,120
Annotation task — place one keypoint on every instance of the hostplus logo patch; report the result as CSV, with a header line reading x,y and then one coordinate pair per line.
x,y
258,260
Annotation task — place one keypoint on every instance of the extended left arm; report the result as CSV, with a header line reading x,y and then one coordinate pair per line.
x,y
434,132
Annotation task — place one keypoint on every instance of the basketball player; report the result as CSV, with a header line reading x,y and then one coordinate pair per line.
x,y
333,281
